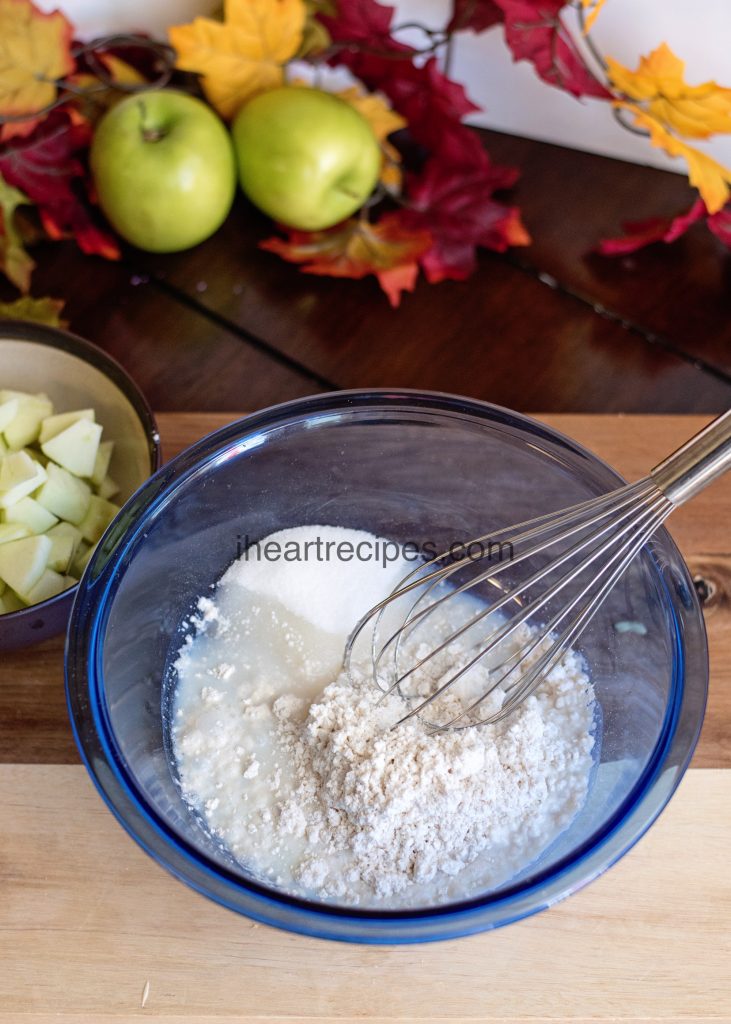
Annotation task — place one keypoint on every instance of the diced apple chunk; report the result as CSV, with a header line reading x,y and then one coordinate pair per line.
x,y
65,540
25,426
107,488
64,494
13,602
75,447
22,562
32,514
10,602
53,425
19,475
97,519
101,463
81,558
50,584
8,412
13,531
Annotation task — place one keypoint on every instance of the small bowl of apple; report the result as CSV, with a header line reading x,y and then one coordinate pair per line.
x,y
76,440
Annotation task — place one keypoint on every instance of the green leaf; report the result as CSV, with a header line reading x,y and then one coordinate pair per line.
x,y
15,262
39,311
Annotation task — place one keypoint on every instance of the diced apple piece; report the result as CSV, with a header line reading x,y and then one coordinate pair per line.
x,y
65,539
33,515
69,581
53,425
107,488
11,602
64,494
50,584
101,463
97,519
19,475
37,456
8,412
75,447
13,531
82,556
25,426
3,447
3,587
22,562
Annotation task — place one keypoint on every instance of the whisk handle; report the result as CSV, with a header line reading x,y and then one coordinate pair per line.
x,y
699,461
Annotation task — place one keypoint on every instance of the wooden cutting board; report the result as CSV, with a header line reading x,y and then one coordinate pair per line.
x,y
91,930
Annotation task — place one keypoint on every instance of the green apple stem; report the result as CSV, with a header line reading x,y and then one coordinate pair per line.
x,y
149,133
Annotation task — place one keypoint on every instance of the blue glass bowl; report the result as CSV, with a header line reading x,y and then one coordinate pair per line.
x,y
411,466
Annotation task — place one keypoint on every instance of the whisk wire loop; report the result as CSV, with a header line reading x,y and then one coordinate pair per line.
x,y
574,556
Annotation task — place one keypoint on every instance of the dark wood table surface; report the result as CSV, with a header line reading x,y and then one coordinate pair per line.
x,y
550,327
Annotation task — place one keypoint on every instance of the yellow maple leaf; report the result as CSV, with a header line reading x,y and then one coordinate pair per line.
x,y
35,51
591,9
695,111
244,54
711,178
384,121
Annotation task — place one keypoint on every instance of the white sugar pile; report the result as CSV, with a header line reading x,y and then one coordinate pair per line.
x,y
318,574
296,769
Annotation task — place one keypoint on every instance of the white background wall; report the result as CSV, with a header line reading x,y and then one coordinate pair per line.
x,y
513,98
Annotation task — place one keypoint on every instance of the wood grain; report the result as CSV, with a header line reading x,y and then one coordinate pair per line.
x,y
87,922
180,358
504,335
33,722
680,292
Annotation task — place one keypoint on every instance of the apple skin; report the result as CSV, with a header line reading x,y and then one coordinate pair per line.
x,y
164,170
305,157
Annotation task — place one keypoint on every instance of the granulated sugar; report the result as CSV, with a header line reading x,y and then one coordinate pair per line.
x,y
296,769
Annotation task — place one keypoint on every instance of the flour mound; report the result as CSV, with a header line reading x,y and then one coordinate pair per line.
x,y
407,805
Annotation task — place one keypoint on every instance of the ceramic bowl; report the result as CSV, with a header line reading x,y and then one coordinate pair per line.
x,y
76,374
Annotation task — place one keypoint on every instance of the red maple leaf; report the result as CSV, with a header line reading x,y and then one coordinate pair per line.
x,y
431,102
640,233
362,21
535,32
475,15
45,165
457,206
720,225
388,249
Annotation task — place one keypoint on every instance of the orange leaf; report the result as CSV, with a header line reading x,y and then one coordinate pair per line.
x,y
243,55
711,178
695,111
384,121
35,51
357,248
592,7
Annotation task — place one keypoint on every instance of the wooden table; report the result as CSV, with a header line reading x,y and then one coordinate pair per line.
x,y
91,931
551,327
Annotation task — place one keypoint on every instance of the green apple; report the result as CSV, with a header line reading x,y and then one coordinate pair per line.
x,y
164,170
305,156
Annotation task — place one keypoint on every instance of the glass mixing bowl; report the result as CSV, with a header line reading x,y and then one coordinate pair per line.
x,y
409,466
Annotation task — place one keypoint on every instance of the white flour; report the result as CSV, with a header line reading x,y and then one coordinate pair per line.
x,y
293,766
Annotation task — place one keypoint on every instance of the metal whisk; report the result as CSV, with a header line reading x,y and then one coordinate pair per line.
x,y
569,560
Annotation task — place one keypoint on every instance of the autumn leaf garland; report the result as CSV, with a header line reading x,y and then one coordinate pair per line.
x,y
431,213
